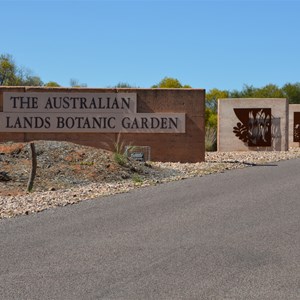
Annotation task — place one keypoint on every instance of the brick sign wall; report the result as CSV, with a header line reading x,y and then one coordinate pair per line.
x,y
169,121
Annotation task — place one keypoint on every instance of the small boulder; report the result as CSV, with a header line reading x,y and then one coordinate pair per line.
x,y
4,176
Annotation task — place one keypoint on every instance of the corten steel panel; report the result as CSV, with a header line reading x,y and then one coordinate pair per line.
x,y
254,126
183,147
296,131
294,124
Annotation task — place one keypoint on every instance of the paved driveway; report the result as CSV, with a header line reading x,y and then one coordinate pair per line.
x,y
234,235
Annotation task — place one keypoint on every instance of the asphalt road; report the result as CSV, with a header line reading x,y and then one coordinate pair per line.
x,y
234,235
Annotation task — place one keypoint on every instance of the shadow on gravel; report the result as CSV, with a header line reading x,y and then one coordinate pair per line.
x,y
250,164
263,165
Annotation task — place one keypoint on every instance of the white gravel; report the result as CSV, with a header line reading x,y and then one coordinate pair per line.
x,y
11,206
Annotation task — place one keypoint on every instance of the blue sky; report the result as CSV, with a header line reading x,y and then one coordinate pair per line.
x,y
207,44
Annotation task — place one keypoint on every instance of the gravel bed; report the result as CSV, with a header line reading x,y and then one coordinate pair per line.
x,y
11,206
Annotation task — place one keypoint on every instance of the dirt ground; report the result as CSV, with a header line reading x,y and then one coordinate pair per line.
x,y
60,165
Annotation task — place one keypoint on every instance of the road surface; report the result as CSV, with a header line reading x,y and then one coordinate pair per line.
x,y
234,235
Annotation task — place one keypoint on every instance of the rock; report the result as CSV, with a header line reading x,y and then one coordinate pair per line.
x,y
4,176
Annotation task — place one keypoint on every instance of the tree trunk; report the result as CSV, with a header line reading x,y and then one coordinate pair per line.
x,y
33,168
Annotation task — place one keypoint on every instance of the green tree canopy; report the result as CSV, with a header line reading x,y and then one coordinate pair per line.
x,y
8,70
75,83
123,85
212,97
211,118
268,91
52,84
30,80
169,83
292,92
12,75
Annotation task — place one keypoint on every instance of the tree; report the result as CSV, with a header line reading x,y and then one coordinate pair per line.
x,y
248,91
267,91
29,80
292,92
212,97
52,84
169,82
211,117
123,85
12,75
8,70
75,83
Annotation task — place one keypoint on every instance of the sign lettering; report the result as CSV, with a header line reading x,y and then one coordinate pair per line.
x,y
83,112
70,102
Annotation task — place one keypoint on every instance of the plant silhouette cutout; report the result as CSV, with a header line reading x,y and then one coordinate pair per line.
x,y
297,127
241,131
255,126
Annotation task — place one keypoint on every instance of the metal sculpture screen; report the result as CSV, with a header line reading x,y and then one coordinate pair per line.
x,y
297,126
254,127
